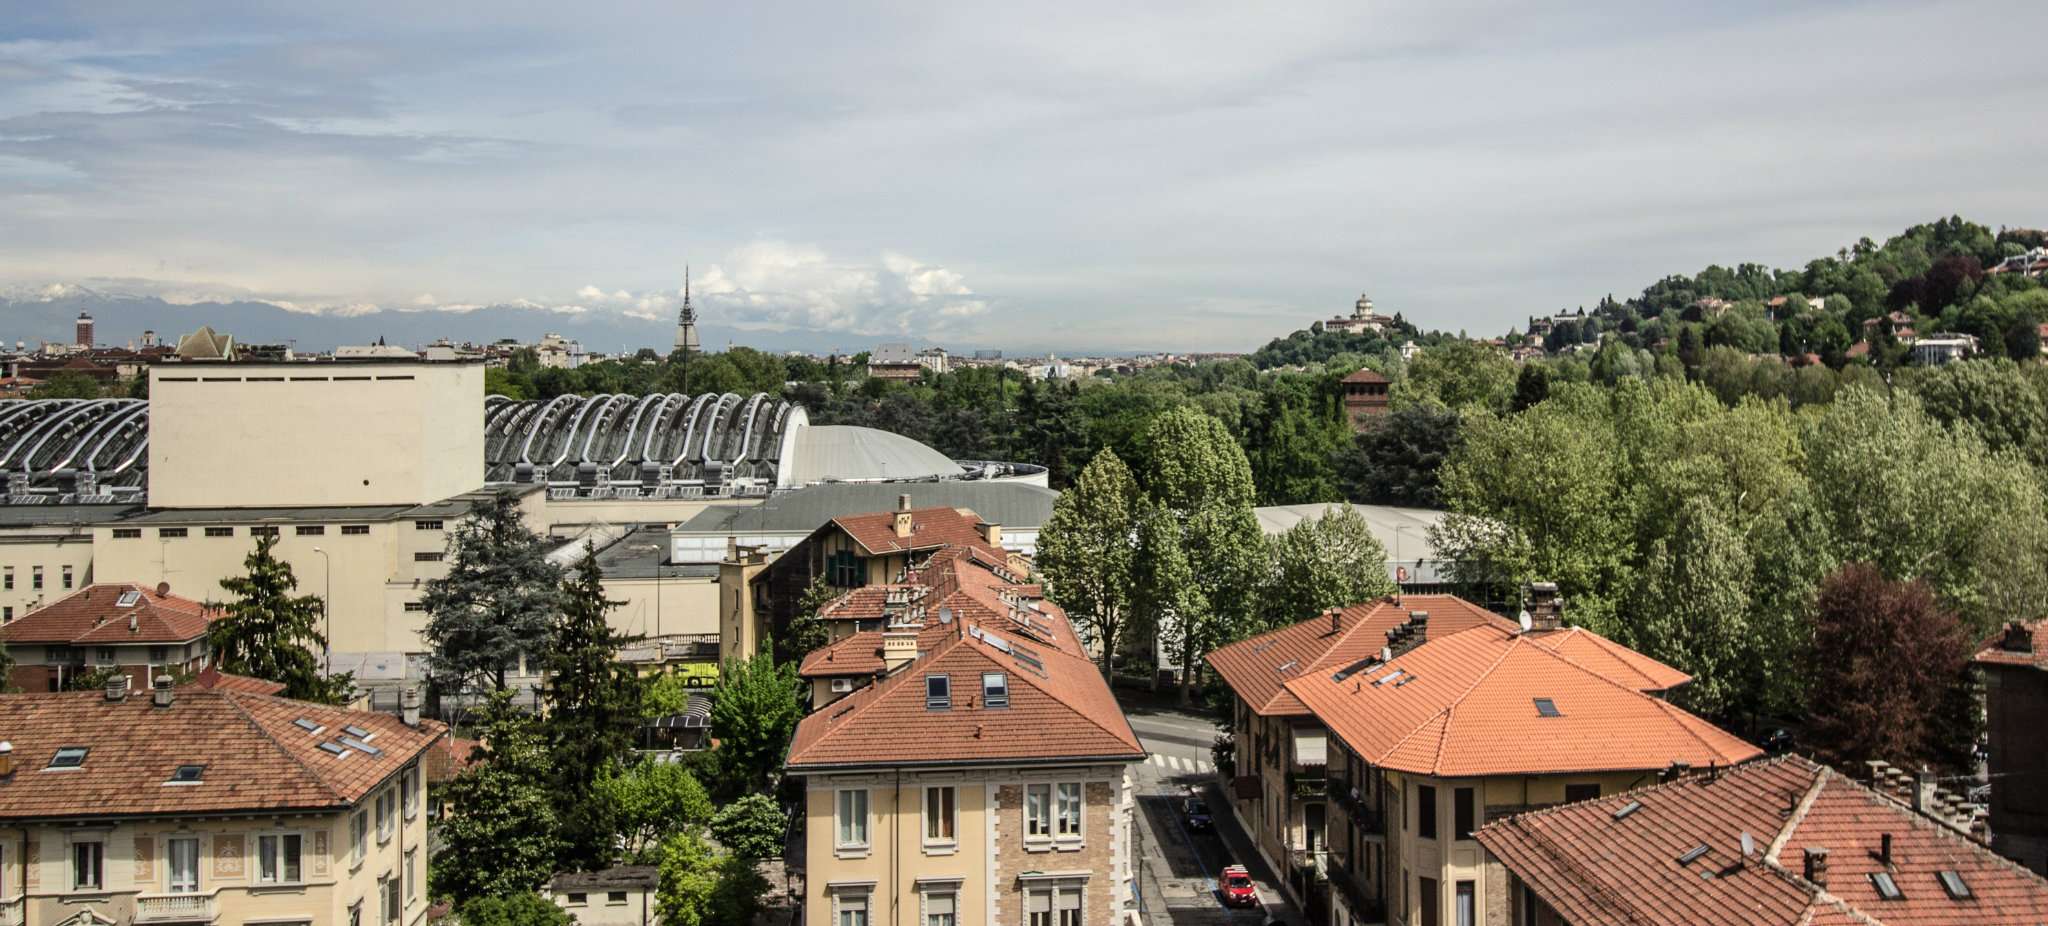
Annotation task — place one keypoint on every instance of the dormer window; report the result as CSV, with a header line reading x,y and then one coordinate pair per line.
x,y
995,689
938,692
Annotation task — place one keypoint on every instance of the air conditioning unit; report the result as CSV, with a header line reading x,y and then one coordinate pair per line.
x,y
842,685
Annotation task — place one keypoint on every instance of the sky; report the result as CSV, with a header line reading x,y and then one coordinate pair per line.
x,y
1131,176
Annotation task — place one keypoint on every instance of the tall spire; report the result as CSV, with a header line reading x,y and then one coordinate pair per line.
x,y
686,322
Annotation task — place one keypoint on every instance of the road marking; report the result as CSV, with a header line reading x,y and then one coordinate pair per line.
x,y
1175,761
1201,766
1158,760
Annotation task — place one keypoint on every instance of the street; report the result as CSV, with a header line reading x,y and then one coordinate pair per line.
x,y
1177,867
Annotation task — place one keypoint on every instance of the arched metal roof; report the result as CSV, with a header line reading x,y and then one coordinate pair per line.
x,y
74,450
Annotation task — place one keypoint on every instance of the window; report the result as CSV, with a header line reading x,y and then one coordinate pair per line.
x,y
431,525
182,852
1576,793
36,578
355,914
1037,811
104,655
127,533
8,613
429,556
7,578
842,569
1468,904
384,802
1886,887
408,792
1952,882
853,818
170,533
938,692
220,532
310,530
578,898
358,837
415,606
392,902
354,530
1465,813
69,757
1055,905
67,576
277,858
263,531
615,897
853,907
938,909
158,655
995,689
1427,899
1069,818
186,775
938,815
412,874
1545,707
1425,811
88,866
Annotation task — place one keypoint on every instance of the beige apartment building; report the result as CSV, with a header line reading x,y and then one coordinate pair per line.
x,y
983,776
234,808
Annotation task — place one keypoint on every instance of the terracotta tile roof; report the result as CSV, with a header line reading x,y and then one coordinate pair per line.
x,y
1363,375
1611,659
1596,870
929,528
255,756
213,677
1252,666
1059,706
958,581
447,758
1466,704
94,615
2018,644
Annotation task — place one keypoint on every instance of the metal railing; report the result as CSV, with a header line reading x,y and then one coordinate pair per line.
x,y
1354,806
176,908
1365,908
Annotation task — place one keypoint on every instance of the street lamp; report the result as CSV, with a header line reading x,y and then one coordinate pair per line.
x,y
326,613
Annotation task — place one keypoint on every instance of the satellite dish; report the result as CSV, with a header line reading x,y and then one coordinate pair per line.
x,y
1526,622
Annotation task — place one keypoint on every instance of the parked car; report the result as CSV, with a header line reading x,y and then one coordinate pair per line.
x,y
1196,811
1237,888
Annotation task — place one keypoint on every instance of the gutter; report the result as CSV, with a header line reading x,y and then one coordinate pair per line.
x,y
799,770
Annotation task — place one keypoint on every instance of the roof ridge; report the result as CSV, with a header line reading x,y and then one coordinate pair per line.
x,y
1032,679
1600,895
1798,814
867,696
234,699
1667,707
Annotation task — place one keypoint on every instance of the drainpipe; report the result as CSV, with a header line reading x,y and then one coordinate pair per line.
x,y
895,851
23,830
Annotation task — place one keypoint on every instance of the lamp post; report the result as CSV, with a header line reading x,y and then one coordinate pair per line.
x,y
326,613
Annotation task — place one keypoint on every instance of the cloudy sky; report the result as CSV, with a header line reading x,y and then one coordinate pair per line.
x,y
1115,176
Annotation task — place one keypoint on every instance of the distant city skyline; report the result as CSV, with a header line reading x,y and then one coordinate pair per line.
x,y
1195,178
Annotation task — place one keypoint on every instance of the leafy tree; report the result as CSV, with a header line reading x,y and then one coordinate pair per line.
x,y
526,908
1457,375
1086,551
701,887
1289,441
754,712
651,801
807,631
1397,460
67,386
1201,481
1532,386
7,685
1692,606
752,827
270,633
1326,562
501,838
498,600
1887,665
593,712
669,693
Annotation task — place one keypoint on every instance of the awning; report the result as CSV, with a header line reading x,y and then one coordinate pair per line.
x,y
1311,746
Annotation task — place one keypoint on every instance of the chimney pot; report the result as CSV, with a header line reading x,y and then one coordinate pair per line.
x,y
903,502
160,694
1817,866
1545,607
117,688
1923,790
409,706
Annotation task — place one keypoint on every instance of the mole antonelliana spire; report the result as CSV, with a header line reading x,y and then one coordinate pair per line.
x,y
686,324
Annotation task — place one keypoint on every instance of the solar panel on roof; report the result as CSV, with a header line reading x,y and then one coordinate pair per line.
x,y
1886,887
1693,854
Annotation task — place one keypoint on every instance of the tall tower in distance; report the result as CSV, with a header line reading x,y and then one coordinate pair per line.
x,y
686,323
84,330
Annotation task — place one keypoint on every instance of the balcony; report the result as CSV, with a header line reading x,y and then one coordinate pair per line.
x,y
1363,816
1307,786
11,912
175,908
1365,908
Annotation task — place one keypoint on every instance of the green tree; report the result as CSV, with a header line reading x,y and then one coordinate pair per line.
x,y
526,908
1087,550
1458,375
1289,441
67,386
1201,481
498,600
270,633
807,631
500,840
754,712
651,801
752,827
1326,562
593,712
1398,458
1693,604
702,887
1532,385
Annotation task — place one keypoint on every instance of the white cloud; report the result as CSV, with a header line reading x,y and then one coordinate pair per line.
x,y
779,286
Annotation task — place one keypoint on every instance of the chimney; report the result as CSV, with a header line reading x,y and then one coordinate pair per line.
x,y
1923,790
899,648
6,758
1884,850
117,688
1336,620
902,515
160,692
2017,638
1546,609
1420,621
992,534
409,706
1817,866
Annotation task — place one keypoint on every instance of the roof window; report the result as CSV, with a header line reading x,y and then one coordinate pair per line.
x,y
1546,707
336,748
356,744
1627,809
358,732
1886,887
1952,882
1693,854
128,599
938,692
186,775
69,757
308,726
995,689
1391,676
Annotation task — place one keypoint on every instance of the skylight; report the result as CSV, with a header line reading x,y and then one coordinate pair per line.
x,y
128,599
353,743
335,748
1628,808
995,689
938,692
1545,707
308,726
69,757
1693,854
1952,882
1391,676
1886,887
186,774
357,732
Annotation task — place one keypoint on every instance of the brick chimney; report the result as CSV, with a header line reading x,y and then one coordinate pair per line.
x,y
1546,609
902,515
1817,866
899,648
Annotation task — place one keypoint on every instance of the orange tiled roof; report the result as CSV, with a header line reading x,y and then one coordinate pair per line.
x,y
1611,659
213,677
1596,870
1363,375
929,528
94,615
1252,667
255,757
2018,644
1465,705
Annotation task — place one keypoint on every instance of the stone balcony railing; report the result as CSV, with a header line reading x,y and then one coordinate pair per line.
x,y
11,912
176,908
